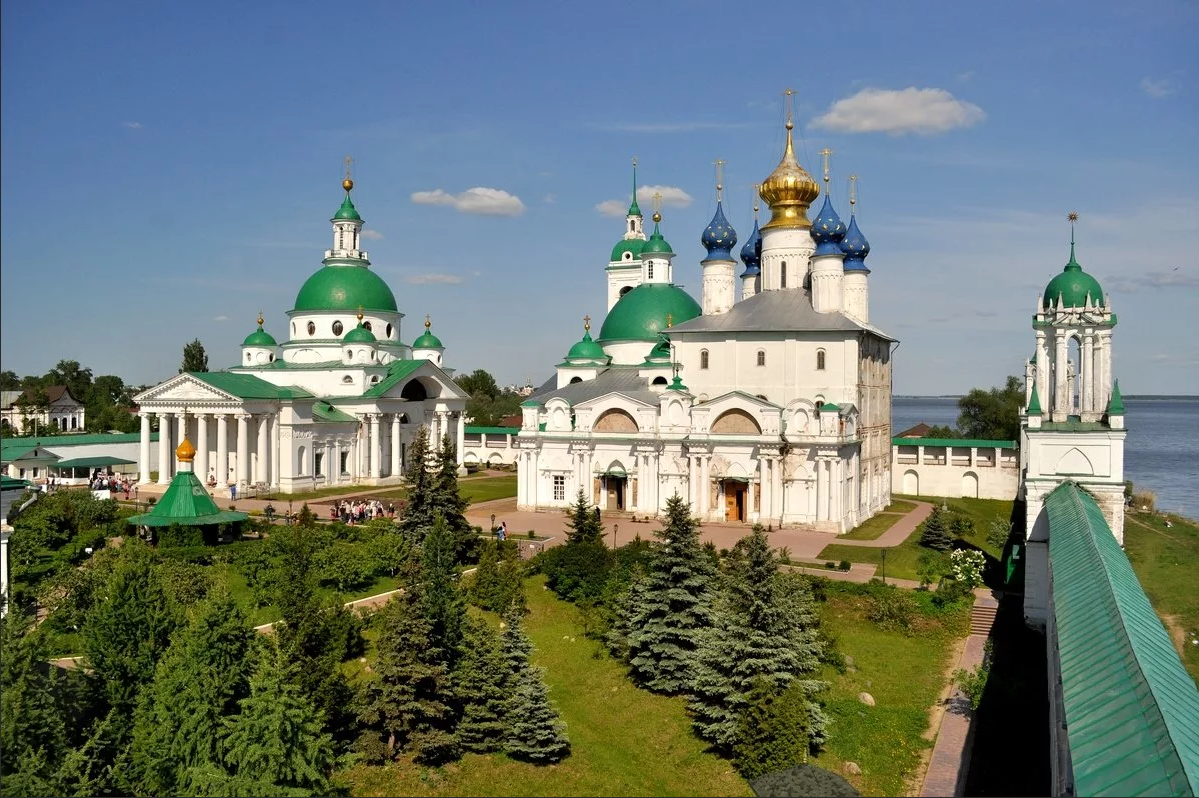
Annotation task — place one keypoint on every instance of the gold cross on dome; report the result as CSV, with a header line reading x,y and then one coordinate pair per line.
x,y
349,162
587,322
428,321
825,153
669,320
719,177
789,93
657,201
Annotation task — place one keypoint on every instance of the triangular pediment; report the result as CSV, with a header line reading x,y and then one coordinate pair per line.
x,y
613,396
184,388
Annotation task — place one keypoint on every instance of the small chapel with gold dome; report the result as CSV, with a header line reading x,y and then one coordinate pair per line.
x,y
771,404
339,401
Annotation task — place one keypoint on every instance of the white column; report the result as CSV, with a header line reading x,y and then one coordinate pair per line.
x,y
396,465
243,449
275,455
764,479
376,447
181,418
706,484
143,453
164,448
334,475
749,500
691,479
202,447
460,443
262,469
222,449
1061,403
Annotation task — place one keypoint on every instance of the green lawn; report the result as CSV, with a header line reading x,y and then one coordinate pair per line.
x,y
625,741
477,489
904,674
901,559
899,506
1165,560
873,528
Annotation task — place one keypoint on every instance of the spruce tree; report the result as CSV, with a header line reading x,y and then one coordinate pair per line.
x,y
181,721
773,731
583,525
935,533
441,600
624,617
515,645
407,703
33,735
674,609
450,504
765,628
277,742
497,581
417,513
481,682
536,733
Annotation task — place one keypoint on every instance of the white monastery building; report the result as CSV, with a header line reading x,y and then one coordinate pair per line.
x,y
785,414
340,401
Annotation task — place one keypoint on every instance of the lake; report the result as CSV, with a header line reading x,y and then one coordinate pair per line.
x,y
1161,452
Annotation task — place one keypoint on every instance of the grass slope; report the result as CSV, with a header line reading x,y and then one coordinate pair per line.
x,y
873,528
1164,559
624,741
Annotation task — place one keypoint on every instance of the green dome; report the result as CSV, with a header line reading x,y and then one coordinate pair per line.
x,y
641,314
586,349
656,245
347,210
1073,285
345,288
427,341
661,351
632,246
259,337
359,335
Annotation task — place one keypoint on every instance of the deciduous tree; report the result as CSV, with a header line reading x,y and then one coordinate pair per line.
x,y
992,414
194,357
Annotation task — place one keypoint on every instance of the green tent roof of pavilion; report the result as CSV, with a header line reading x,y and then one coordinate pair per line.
x,y
186,503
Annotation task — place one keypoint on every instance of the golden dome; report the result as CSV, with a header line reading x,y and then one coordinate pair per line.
x,y
789,191
186,452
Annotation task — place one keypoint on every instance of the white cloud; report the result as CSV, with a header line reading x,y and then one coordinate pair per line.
x,y
674,127
132,125
220,318
1158,88
373,235
432,278
480,200
910,110
672,197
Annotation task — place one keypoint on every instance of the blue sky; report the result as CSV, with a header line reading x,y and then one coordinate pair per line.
x,y
168,169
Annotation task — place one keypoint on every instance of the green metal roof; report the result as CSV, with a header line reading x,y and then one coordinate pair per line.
x,y
18,449
656,245
641,314
632,245
1115,406
1073,286
829,407
19,446
1132,710
979,442
347,210
491,430
323,411
260,337
586,349
397,372
427,340
247,386
359,335
93,462
345,287
1034,403
12,483
187,503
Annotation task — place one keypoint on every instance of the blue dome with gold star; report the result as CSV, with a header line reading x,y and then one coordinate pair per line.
x,y
751,253
828,230
719,237
856,248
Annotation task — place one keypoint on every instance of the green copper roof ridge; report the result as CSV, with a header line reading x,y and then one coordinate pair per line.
x,y
634,209
1115,405
1072,264
347,210
1034,404
677,384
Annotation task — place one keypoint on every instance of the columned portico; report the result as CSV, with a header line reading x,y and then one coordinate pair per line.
x,y
376,448
202,446
243,449
143,452
262,422
397,467
164,448
222,449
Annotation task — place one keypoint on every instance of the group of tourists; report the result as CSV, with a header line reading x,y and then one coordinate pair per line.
x,y
361,511
109,482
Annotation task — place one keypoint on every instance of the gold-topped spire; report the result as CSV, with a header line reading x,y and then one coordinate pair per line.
x,y
360,314
261,320
719,178
790,189
185,452
587,323
853,192
428,322
1072,218
657,217
757,192
347,183
825,153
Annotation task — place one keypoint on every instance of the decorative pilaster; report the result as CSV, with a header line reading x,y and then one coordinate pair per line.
x,y
275,455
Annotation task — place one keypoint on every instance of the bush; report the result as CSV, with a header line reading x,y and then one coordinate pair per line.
x,y
935,530
960,524
577,571
1144,500
180,537
830,565
802,781
973,683
931,566
999,532
844,565
891,609
950,592
773,730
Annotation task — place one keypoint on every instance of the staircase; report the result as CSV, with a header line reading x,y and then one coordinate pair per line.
x,y
982,616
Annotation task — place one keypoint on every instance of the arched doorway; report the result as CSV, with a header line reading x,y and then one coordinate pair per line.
x,y
911,483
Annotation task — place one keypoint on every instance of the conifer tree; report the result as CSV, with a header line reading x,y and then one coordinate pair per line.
x,y
277,743
441,601
417,514
33,735
481,682
583,524
450,504
773,731
407,701
935,534
674,609
515,645
766,628
181,721
625,616
536,733
497,580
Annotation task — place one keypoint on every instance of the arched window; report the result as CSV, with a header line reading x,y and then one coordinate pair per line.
x,y
703,358
632,225
783,275
366,325
347,379
372,354
628,256
388,330
249,358
301,460
573,380
271,358
649,270
627,288
820,360
761,357
293,328
659,381
312,328
337,328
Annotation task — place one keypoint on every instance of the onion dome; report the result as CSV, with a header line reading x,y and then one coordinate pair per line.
x,y
347,209
660,354
789,191
345,287
359,335
642,313
828,230
185,452
427,340
656,245
856,247
751,253
719,237
260,337
1073,286
676,384
586,349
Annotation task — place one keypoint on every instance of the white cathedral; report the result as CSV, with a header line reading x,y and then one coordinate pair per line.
x,y
785,414
340,401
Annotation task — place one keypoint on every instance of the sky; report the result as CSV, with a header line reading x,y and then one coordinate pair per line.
x,y
169,169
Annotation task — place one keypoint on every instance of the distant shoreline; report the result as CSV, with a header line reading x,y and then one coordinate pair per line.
x,y
1139,396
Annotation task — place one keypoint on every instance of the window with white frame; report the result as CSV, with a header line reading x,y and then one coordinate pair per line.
x,y
559,487
703,358
820,360
761,357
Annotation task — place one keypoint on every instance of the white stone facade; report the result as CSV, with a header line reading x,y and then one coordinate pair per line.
x,y
62,411
968,469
